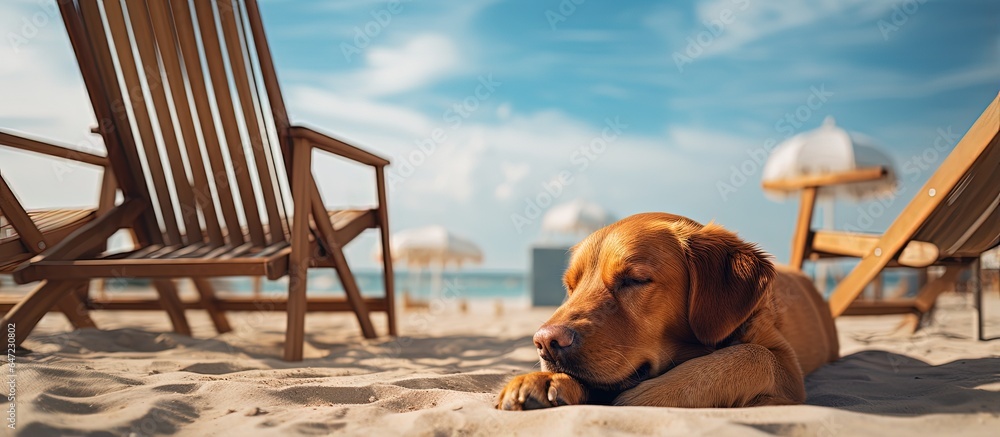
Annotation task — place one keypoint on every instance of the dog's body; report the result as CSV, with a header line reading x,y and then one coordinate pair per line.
x,y
663,311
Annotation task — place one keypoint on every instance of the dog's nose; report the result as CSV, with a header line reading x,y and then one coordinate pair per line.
x,y
553,341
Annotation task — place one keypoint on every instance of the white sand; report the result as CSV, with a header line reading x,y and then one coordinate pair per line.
x,y
132,379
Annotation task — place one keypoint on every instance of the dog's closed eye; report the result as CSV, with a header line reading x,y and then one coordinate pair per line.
x,y
625,282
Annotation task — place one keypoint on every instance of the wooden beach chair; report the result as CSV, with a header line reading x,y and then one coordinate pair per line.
x,y
205,165
951,221
25,234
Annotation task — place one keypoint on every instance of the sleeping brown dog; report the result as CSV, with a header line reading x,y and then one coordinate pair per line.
x,y
664,311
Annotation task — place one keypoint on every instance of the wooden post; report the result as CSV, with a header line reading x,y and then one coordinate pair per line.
x,y
301,176
387,274
800,239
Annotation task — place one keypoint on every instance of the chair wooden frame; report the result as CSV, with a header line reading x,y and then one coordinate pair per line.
x,y
31,238
951,221
203,157
33,241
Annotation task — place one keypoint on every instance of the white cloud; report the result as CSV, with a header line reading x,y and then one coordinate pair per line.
x,y
421,61
353,111
484,169
42,93
503,111
705,140
905,86
512,173
754,20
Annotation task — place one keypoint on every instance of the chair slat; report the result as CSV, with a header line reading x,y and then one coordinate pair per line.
x,y
277,124
187,40
143,123
227,113
235,47
270,78
273,133
168,44
138,15
94,58
966,223
276,132
11,209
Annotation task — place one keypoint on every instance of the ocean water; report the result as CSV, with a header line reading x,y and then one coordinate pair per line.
x,y
461,284
470,284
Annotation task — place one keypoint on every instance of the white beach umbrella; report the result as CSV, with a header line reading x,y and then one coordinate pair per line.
x,y
431,247
576,217
829,149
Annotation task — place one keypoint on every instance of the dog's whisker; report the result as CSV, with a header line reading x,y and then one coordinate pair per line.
x,y
624,358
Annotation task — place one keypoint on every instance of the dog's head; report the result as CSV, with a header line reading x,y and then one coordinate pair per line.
x,y
647,293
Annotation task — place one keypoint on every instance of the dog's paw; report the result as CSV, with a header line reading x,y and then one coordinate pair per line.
x,y
540,390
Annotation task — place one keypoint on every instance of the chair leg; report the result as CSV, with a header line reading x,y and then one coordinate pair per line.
x,y
75,308
295,333
388,281
928,294
30,310
977,277
800,239
211,305
171,302
298,262
910,324
383,225
353,293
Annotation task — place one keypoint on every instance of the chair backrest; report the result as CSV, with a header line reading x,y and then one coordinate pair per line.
x,y
188,103
967,222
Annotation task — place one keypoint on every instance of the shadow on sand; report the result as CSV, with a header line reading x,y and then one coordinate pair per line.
x,y
885,383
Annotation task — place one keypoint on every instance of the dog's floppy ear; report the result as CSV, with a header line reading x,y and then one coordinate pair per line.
x,y
728,278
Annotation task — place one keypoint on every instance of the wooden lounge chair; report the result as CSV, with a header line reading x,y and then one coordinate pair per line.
x,y
205,165
951,221
25,234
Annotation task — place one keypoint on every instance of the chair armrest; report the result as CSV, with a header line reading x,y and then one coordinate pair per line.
x,y
337,147
812,181
36,146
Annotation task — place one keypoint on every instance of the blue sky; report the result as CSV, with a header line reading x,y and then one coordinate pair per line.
x,y
694,89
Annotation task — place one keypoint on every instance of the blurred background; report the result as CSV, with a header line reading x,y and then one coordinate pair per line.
x,y
495,111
